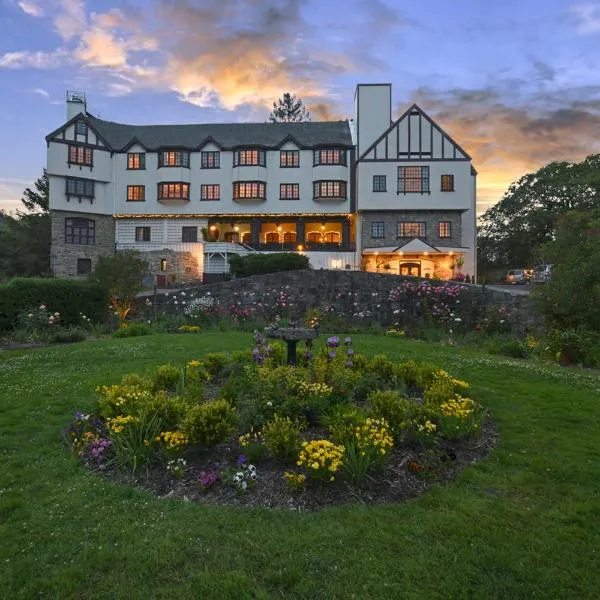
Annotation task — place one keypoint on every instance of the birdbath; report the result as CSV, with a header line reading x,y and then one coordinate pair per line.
x,y
291,335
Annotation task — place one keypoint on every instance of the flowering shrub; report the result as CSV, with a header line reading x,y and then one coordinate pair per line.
x,y
322,459
173,442
189,329
459,418
207,480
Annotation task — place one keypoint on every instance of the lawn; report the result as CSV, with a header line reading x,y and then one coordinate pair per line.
x,y
525,523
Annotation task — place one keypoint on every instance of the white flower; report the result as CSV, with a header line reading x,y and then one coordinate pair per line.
x,y
244,485
458,320
56,314
501,321
269,403
30,315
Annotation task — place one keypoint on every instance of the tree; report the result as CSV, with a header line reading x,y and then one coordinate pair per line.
x,y
512,232
25,240
289,109
121,274
571,297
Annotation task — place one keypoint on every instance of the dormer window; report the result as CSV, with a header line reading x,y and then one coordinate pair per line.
x,y
136,161
80,155
174,158
249,158
81,128
329,156
210,159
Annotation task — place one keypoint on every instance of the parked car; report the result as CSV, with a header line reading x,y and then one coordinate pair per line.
x,y
517,276
541,274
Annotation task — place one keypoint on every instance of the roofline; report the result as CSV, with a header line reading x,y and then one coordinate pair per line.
x,y
77,117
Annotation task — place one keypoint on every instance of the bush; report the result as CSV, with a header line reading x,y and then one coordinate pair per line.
x,y
282,438
214,363
69,297
513,347
166,377
67,336
259,264
343,421
132,330
210,423
572,346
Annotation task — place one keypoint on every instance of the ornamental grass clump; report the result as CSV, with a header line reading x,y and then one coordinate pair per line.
x,y
322,459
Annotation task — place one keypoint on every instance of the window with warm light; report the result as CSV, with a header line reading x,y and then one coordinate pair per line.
x,y
210,160
289,191
80,231
330,189
331,237
174,158
445,229
82,188
210,191
142,234
408,229
377,229
447,183
80,155
289,158
329,156
136,161
174,191
189,235
250,157
136,193
413,180
249,190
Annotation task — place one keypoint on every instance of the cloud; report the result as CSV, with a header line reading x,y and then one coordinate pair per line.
x,y
30,8
587,17
41,92
70,20
509,133
34,60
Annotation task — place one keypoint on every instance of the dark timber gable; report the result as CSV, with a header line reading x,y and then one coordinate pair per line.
x,y
414,136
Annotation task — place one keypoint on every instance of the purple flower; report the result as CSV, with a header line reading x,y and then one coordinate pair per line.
x,y
308,355
350,352
207,479
241,459
347,340
333,341
331,354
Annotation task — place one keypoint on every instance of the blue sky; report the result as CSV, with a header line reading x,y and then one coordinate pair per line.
x,y
516,83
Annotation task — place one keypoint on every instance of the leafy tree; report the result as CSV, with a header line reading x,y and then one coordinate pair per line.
x,y
25,240
571,297
512,232
121,274
289,109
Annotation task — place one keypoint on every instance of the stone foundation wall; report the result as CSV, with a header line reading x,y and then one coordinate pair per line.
x,y
64,257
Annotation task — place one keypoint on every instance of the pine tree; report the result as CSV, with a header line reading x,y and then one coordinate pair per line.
x,y
289,109
36,201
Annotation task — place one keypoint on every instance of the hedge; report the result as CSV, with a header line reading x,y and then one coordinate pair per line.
x,y
259,264
69,297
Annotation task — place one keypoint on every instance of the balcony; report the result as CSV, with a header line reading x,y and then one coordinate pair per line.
x,y
306,247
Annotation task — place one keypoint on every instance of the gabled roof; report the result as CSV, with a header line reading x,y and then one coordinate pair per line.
x,y
118,136
416,246
414,109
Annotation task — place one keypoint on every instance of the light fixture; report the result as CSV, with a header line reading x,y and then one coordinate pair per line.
x,y
426,253
300,248
213,227
322,226
278,227
236,228
451,253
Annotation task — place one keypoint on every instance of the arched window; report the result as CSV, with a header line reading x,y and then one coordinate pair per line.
x,y
332,237
289,237
272,237
80,231
232,236
314,236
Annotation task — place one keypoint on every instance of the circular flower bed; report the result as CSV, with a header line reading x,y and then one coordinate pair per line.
x,y
247,429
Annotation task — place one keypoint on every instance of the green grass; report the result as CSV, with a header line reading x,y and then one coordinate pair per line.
x,y
525,523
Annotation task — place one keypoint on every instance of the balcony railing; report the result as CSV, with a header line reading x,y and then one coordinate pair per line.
x,y
307,246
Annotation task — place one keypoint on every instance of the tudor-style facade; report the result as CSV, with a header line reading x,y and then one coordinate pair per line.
x,y
389,197
416,192
195,194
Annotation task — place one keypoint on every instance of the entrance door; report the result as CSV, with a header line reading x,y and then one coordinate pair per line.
x,y
410,269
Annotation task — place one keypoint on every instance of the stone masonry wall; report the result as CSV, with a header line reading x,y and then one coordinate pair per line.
x,y
431,218
358,295
63,257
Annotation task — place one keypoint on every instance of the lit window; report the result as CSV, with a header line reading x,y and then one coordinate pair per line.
x,y
413,180
80,155
445,229
289,158
83,188
173,191
142,234
329,156
447,183
249,190
136,160
406,229
249,158
377,229
379,183
189,234
289,191
177,158
331,237
80,231
329,189
210,191
136,193
210,160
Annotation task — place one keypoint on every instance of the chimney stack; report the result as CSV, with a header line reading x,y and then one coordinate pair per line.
x,y
75,104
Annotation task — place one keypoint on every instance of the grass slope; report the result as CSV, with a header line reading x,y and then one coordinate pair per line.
x,y
525,523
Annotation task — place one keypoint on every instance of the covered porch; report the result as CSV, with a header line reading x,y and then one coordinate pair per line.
x,y
415,258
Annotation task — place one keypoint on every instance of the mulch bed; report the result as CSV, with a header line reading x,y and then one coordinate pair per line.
x,y
396,483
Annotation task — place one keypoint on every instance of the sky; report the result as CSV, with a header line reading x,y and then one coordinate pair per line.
x,y
515,83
